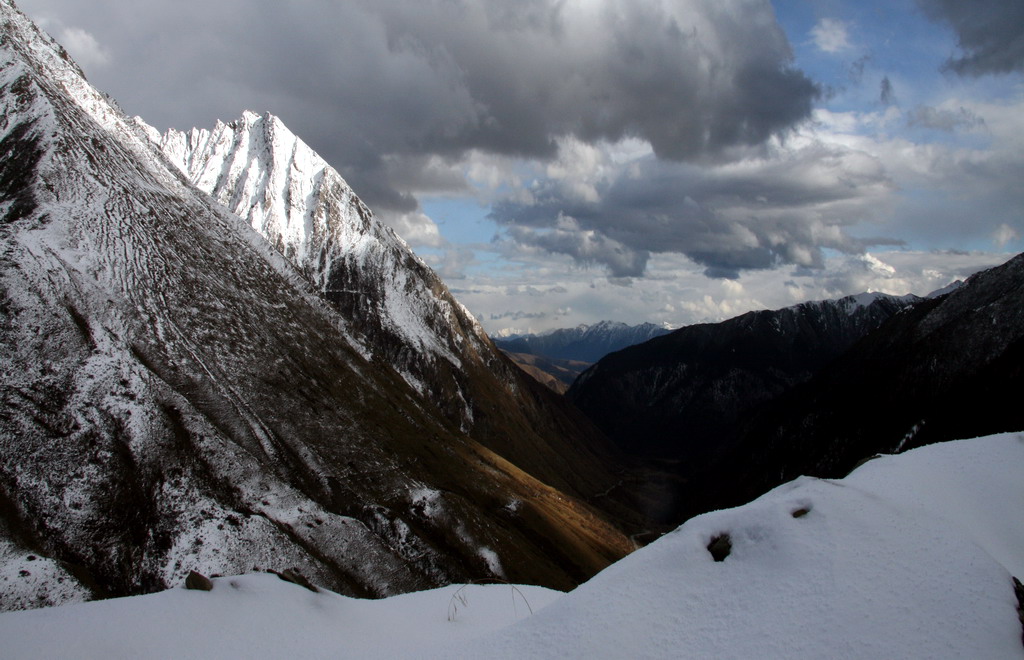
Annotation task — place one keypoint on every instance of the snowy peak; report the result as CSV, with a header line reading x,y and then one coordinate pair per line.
x,y
265,174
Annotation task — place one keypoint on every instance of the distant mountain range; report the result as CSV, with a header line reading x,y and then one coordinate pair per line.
x,y
584,343
556,358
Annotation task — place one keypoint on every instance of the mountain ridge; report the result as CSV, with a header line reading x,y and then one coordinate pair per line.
x,y
918,374
736,408
700,378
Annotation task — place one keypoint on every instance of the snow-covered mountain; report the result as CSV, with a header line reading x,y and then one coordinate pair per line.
x,y
911,556
584,343
178,395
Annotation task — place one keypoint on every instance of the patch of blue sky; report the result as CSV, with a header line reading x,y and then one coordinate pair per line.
x,y
469,233
870,41
461,220
488,264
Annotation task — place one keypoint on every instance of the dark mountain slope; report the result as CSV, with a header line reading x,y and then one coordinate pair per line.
x,y
745,405
683,395
947,368
176,395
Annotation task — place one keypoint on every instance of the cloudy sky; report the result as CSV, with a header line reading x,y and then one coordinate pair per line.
x,y
567,161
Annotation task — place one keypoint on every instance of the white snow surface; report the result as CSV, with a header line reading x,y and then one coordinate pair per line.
x,y
910,556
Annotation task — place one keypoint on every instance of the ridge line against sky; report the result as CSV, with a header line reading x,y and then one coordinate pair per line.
x,y
563,161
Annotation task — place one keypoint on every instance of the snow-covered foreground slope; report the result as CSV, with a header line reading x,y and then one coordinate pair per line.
x,y
910,556
260,616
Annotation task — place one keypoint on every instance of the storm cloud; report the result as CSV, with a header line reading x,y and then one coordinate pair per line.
x,y
409,99
781,207
990,34
370,83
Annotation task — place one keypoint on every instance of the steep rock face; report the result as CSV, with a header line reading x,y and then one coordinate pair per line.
x,y
400,312
682,396
266,175
177,396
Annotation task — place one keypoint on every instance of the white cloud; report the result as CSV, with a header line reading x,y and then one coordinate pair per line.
x,y
1003,235
955,191
831,35
543,294
84,48
416,228
783,203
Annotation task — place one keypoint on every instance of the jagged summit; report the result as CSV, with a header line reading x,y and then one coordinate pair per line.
x,y
852,304
266,175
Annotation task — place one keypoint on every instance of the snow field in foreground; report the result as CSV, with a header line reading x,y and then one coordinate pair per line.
x,y
910,556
